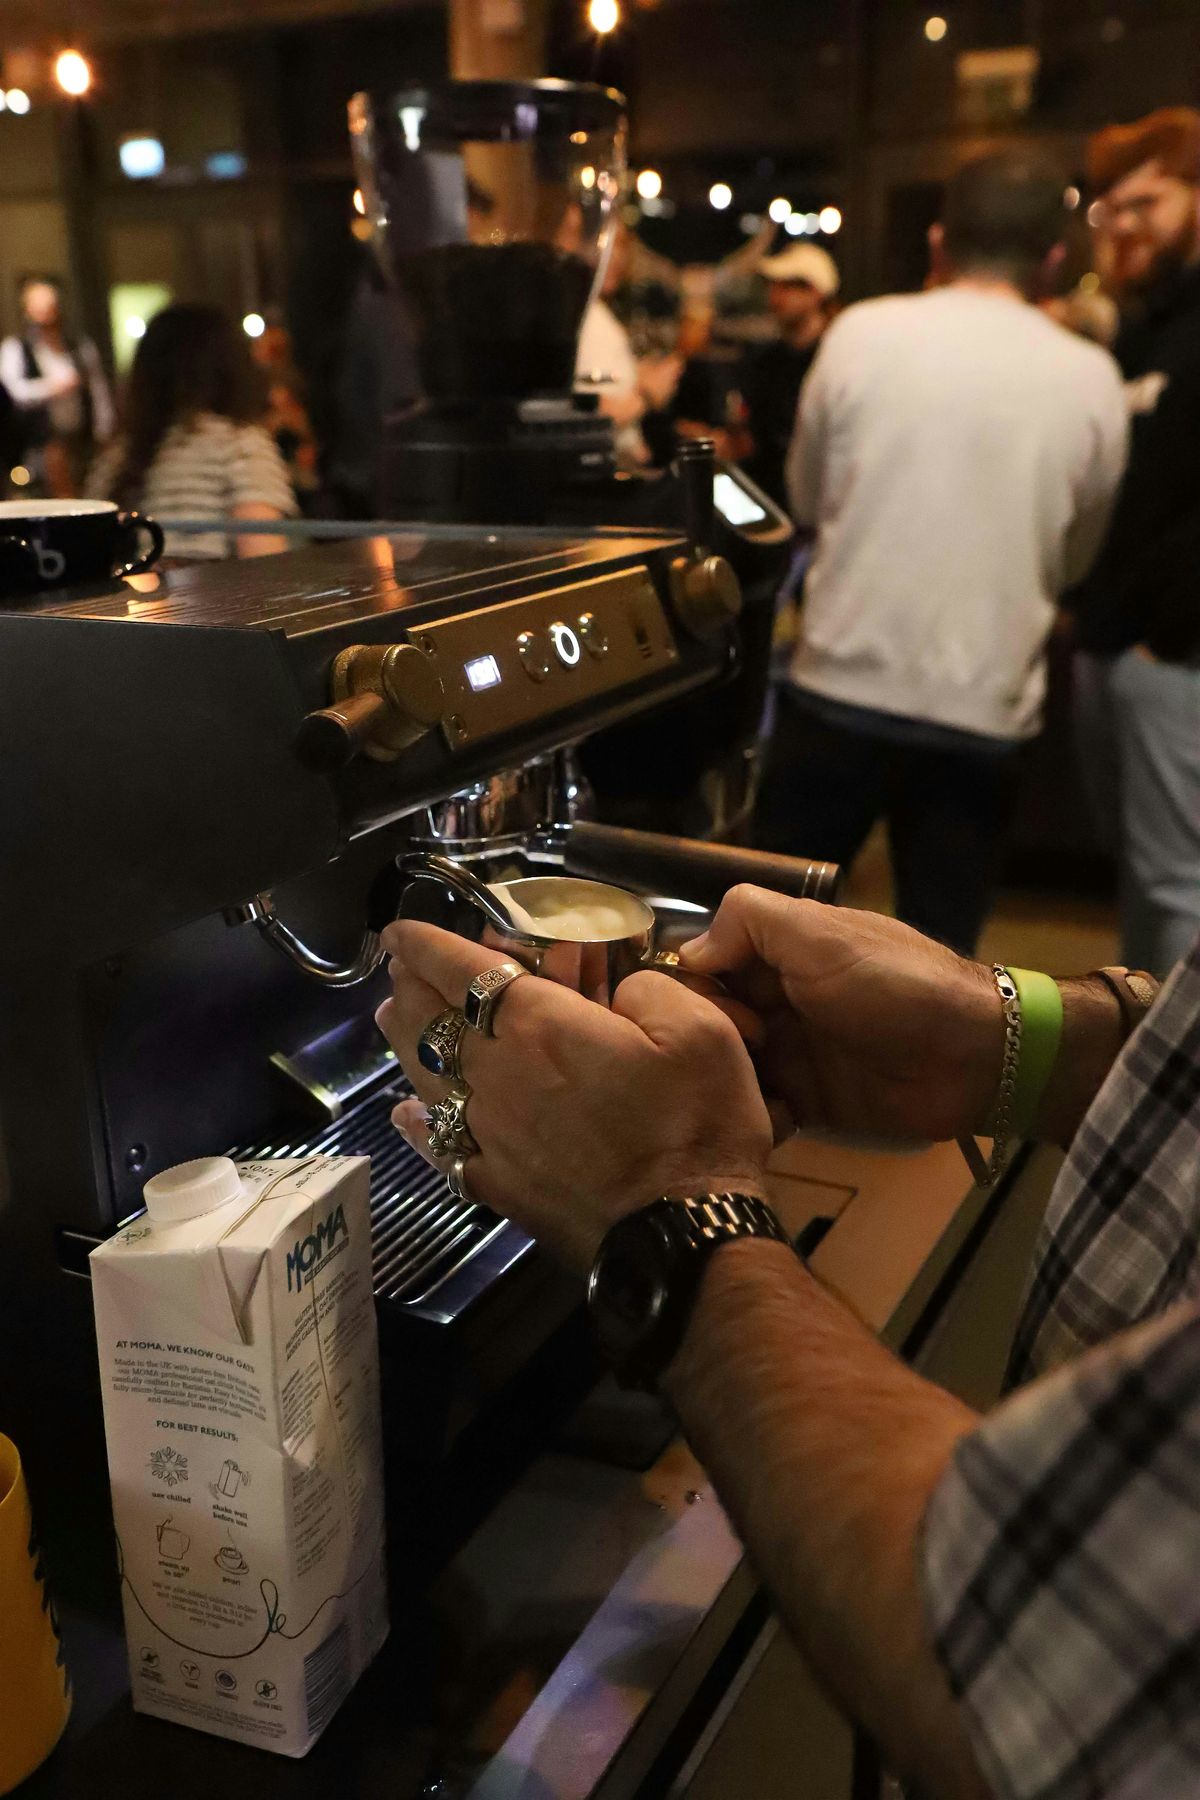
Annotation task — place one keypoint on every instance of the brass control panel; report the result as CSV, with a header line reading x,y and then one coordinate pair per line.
x,y
506,666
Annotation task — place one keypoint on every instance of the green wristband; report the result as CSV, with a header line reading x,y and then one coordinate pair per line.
x,y
1041,1034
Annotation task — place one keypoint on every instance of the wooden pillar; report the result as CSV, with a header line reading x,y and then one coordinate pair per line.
x,y
85,226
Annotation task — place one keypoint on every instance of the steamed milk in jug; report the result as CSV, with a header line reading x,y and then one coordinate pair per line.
x,y
240,1367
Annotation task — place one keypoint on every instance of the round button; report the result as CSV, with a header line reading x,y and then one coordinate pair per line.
x,y
534,653
593,634
566,644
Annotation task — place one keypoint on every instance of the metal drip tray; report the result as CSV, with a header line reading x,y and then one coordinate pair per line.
x,y
422,1235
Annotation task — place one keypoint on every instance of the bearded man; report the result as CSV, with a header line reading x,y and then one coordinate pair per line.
x,y
1138,673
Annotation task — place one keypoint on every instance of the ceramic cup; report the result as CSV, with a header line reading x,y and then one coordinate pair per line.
x,y
47,544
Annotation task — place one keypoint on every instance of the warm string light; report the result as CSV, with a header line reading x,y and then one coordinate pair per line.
x,y
603,16
649,184
73,73
936,29
720,195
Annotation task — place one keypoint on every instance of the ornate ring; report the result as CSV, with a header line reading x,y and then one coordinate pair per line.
x,y
456,1180
449,1133
438,1045
483,995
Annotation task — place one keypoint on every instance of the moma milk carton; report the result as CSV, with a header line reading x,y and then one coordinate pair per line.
x,y
240,1368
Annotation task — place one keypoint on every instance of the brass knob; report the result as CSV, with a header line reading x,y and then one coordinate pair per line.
x,y
383,698
707,594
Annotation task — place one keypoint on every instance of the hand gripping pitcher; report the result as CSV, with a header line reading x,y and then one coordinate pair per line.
x,y
240,1367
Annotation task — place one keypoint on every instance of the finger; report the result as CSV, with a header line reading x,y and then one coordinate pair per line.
x,y
440,959
750,1025
755,925
411,1010
663,1008
409,1120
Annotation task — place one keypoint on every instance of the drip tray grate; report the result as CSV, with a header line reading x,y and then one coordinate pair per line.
x,y
422,1234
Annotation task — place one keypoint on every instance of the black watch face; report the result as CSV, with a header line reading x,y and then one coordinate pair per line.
x,y
628,1290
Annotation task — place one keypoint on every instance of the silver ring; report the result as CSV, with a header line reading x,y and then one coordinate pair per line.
x,y
449,1133
483,995
456,1180
439,1044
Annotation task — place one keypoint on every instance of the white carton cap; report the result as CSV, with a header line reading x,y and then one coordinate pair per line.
x,y
192,1188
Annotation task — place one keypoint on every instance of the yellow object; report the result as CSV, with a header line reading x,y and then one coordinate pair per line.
x,y
35,1689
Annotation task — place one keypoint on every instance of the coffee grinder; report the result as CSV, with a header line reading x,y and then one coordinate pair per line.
x,y
493,206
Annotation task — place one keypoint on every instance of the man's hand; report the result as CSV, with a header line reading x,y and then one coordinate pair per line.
x,y
581,1115
868,1026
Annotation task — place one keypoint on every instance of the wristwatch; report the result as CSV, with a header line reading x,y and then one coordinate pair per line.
x,y
647,1273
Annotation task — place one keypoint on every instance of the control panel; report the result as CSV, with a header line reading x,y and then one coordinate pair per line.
x,y
507,666
498,668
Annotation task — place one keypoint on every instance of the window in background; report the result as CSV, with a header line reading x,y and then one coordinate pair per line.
x,y
995,87
131,306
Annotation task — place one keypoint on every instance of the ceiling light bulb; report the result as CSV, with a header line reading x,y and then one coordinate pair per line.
x,y
73,73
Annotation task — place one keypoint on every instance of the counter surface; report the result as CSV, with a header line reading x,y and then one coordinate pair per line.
x,y
557,1651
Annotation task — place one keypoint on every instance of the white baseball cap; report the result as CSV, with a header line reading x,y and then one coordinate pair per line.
x,y
803,262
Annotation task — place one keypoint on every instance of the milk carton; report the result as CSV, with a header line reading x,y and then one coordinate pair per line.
x,y
240,1367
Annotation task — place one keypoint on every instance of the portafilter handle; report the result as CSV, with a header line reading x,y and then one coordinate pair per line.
x,y
689,867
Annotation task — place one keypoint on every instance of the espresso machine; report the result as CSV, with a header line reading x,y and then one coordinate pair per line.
x,y
492,206
210,785
218,781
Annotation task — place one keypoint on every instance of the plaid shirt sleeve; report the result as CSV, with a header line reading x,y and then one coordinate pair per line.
x,y
1121,1237
1060,1560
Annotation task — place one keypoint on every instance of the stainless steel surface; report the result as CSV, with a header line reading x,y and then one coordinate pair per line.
x,y
370,956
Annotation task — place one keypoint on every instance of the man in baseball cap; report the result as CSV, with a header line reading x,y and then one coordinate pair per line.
x,y
803,286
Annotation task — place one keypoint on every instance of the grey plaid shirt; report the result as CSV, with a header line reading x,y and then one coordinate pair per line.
x,y
1061,1550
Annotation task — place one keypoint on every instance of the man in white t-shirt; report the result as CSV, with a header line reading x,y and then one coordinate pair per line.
x,y
957,454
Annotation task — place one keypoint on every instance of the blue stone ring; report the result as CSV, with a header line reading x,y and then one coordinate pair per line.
x,y
438,1045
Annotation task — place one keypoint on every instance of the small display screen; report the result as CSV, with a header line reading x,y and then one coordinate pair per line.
x,y
483,672
734,503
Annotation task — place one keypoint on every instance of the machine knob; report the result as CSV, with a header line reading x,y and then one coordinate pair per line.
x,y
329,739
385,697
707,594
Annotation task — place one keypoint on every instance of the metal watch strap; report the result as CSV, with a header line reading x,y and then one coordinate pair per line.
x,y
714,1219
1134,992
695,1229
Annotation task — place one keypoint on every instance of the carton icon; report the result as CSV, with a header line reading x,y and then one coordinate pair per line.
x,y
172,1543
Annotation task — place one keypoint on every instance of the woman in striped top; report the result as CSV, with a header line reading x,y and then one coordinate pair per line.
x,y
192,444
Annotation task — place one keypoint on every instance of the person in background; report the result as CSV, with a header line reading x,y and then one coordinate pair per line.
x,y
286,416
802,288
957,454
628,388
59,385
1137,671
192,443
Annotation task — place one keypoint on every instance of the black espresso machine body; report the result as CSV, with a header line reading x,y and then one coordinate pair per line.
x,y
207,785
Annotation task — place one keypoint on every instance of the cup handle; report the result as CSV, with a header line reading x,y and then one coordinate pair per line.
x,y
132,522
23,548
